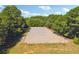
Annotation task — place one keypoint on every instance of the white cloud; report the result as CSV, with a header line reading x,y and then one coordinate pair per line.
x,y
45,7
58,13
28,14
65,9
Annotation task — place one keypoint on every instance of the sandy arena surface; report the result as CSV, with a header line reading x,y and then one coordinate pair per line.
x,y
38,35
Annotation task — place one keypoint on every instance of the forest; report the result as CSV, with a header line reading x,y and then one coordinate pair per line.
x,y
13,25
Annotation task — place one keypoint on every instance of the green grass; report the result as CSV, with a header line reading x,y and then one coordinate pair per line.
x,y
22,48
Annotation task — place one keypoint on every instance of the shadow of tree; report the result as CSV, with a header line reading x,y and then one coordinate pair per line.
x,y
11,41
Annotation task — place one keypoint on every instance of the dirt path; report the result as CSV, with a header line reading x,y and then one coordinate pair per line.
x,y
38,35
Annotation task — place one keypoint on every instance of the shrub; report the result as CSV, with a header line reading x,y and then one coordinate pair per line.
x,y
76,40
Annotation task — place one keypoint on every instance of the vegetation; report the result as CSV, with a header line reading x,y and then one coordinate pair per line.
x,y
12,26
76,40
73,22
36,21
66,25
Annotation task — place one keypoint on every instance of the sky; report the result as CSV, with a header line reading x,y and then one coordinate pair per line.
x,y
43,10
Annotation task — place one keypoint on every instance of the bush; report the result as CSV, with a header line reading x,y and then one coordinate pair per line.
x,y
76,40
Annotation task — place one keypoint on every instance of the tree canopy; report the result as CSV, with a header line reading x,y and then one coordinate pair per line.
x,y
12,24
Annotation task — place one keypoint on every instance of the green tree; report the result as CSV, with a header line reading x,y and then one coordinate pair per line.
x,y
12,24
73,22
36,21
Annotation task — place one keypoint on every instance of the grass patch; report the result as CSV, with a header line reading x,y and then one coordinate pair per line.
x,y
76,40
22,48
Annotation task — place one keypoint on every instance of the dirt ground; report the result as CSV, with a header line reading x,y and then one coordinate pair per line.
x,y
38,35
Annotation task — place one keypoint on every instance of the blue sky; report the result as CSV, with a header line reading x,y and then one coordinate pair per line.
x,y
44,10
